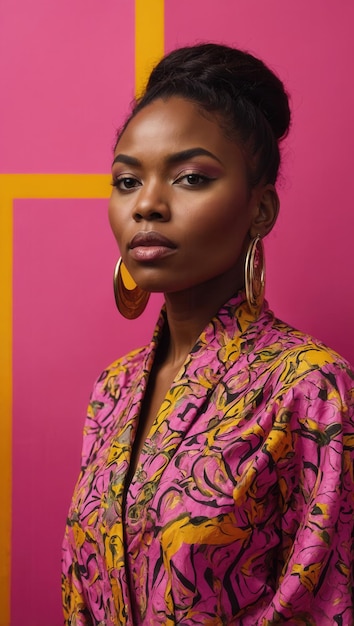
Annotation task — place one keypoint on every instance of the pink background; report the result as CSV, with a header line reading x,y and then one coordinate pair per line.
x,y
68,72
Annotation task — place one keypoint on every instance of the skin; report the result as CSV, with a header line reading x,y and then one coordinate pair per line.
x,y
200,201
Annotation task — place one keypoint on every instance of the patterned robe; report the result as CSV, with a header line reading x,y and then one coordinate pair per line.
x,y
240,511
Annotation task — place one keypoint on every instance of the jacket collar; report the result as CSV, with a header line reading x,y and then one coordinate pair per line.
x,y
229,333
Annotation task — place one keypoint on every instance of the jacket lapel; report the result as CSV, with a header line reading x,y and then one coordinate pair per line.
x,y
216,349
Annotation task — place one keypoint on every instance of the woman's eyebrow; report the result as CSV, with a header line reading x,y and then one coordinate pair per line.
x,y
184,155
178,157
126,159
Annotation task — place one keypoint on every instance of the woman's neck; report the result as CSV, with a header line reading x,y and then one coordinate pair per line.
x,y
188,312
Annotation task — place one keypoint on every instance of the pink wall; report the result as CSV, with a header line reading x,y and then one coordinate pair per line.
x,y
69,75
68,72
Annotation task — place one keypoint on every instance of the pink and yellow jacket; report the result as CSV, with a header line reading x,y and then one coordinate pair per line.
x,y
241,508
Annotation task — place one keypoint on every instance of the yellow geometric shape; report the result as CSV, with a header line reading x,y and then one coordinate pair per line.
x,y
149,39
126,277
22,186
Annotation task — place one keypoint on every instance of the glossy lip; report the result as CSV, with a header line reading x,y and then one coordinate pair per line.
x,y
150,246
149,239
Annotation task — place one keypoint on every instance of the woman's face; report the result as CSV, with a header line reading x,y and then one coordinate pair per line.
x,y
181,208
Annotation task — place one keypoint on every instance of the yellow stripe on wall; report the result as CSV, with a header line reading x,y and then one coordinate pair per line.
x,y
5,400
22,186
149,39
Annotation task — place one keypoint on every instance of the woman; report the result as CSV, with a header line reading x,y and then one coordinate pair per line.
x,y
215,484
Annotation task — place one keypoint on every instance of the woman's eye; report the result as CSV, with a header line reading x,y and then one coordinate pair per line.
x,y
193,180
125,183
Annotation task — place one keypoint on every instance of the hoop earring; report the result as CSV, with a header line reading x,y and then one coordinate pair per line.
x,y
255,275
131,302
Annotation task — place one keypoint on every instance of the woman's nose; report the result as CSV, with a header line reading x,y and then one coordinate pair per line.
x,y
152,204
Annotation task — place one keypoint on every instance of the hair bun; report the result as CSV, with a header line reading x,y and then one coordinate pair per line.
x,y
267,93
230,69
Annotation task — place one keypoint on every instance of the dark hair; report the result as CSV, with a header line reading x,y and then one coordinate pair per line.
x,y
249,99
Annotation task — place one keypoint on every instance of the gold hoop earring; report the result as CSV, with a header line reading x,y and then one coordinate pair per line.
x,y
131,301
255,275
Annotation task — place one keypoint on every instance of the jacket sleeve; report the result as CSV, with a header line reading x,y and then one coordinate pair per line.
x,y
77,560
315,584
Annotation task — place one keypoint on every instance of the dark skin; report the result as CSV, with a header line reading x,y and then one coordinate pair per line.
x,y
176,174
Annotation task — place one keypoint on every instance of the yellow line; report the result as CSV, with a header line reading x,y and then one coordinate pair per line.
x,y
149,39
5,403
21,186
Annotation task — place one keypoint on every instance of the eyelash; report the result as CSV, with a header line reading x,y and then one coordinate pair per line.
x,y
203,180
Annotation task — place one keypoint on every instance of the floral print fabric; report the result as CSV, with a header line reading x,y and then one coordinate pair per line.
x,y
240,511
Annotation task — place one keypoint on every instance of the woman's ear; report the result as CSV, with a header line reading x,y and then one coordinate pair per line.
x,y
266,211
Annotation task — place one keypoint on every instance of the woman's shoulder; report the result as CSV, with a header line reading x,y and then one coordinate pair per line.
x,y
286,340
300,356
132,359
121,371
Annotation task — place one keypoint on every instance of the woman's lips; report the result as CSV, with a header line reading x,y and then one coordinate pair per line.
x,y
150,246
